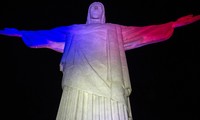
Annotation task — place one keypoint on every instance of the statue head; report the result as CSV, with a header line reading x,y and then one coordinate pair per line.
x,y
96,13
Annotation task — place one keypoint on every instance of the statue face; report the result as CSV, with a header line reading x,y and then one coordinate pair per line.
x,y
96,11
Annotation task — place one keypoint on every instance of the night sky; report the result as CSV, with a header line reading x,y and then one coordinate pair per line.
x,y
164,76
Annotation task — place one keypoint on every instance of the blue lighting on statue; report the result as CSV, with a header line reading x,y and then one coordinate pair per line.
x,y
43,38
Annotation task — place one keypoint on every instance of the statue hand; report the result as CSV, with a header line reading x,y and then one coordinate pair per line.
x,y
186,20
10,32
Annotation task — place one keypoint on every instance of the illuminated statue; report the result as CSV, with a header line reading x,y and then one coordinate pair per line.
x,y
95,81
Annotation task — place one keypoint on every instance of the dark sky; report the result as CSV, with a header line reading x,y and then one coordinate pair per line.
x,y
164,76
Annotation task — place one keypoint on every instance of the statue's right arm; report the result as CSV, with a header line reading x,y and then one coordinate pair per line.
x,y
51,39
10,32
33,38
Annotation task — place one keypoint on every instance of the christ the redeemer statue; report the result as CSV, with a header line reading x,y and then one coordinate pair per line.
x,y
96,84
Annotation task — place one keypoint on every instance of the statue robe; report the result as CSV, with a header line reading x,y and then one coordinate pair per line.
x,y
94,60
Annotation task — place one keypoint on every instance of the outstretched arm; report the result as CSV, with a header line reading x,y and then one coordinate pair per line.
x,y
135,37
52,39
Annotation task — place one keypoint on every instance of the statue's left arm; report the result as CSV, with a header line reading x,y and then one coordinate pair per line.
x,y
135,37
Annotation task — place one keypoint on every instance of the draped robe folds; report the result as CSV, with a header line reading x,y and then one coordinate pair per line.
x,y
95,62
94,58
